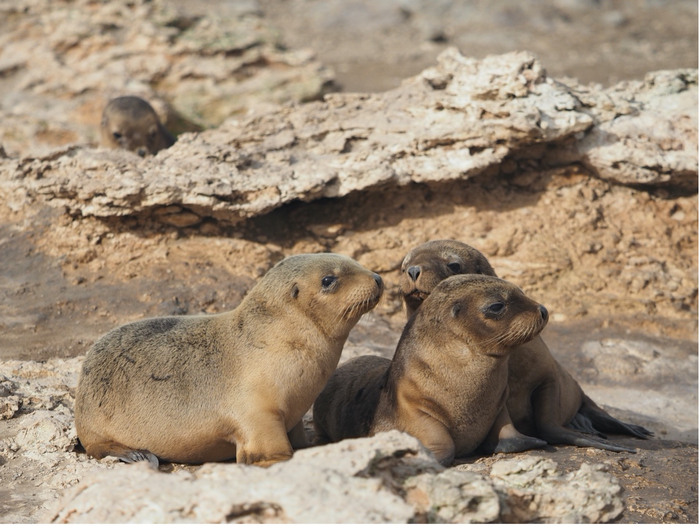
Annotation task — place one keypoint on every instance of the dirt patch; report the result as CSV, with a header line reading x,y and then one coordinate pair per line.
x,y
583,247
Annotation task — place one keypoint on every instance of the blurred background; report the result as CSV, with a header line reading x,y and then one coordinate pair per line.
x,y
373,45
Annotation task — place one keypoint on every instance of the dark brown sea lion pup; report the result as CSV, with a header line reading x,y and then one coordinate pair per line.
x,y
131,123
229,386
447,383
544,401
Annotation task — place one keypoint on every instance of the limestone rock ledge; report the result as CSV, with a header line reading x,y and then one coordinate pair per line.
x,y
462,118
387,478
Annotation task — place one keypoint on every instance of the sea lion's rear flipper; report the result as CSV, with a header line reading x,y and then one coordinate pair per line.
x,y
584,425
602,421
504,438
562,435
547,403
123,453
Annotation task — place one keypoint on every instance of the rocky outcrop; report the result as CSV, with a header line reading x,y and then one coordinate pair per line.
x,y
462,118
61,61
387,478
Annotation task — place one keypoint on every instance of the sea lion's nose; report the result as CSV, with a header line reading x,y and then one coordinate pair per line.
x,y
378,280
414,272
142,152
544,312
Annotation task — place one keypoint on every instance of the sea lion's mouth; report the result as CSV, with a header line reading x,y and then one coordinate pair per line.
x,y
416,296
364,306
528,333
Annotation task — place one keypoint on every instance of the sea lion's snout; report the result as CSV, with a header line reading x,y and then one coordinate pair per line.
x,y
414,272
378,280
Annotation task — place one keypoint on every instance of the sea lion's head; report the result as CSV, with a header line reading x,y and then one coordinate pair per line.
x,y
132,124
428,264
332,289
490,315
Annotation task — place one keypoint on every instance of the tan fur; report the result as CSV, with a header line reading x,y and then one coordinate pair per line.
x,y
132,124
544,398
209,388
447,382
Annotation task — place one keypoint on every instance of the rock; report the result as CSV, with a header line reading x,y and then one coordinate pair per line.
x,y
386,478
460,119
453,497
322,490
47,431
651,141
9,406
617,359
536,492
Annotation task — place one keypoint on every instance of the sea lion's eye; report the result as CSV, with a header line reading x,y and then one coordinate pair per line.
x,y
454,267
495,308
328,281
116,135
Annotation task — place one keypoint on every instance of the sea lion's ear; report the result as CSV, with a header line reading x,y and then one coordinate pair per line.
x,y
455,309
295,291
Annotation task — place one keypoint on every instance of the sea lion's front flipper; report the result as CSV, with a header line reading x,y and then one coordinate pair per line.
x,y
264,440
432,434
504,438
297,436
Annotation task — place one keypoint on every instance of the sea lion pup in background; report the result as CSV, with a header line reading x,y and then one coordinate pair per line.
x,y
131,123
544,401
447,383
208,388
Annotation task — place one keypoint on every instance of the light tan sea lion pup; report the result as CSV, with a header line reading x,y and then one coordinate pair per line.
x,y
544,401
448,381
131,123
229,386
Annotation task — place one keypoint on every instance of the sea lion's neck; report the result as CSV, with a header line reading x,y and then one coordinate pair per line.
x,y
438,356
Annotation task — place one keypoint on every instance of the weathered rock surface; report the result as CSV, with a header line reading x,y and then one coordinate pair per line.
x,y
391,478
453,121
587,495
61,61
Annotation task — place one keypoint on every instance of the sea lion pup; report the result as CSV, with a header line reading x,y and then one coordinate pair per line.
x,y
544,401
209,388
131,123
447,383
